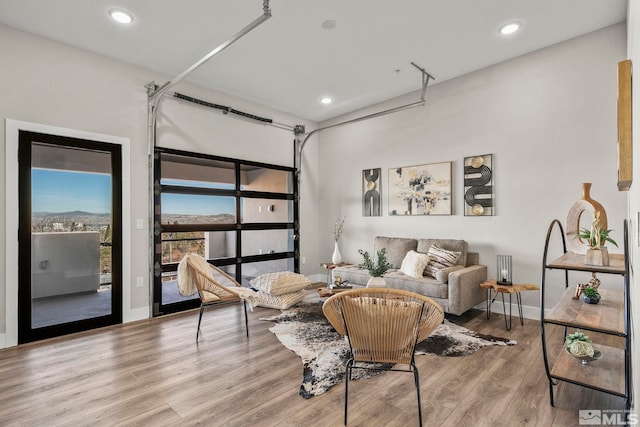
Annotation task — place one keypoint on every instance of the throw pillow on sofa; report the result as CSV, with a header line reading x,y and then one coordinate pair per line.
x,y
440,258
414,264
280,283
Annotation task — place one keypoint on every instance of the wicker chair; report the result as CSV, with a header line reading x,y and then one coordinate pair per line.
x,y
215,287
383,325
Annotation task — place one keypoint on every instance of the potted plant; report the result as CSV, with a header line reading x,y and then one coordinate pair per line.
x,y
591,295
376,270
596,237
579,346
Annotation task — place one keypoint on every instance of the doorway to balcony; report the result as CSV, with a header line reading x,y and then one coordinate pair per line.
x,y
69,235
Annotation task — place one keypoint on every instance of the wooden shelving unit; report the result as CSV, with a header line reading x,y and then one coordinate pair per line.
x,y
612,373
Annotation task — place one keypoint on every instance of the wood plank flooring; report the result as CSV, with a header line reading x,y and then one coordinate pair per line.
x,y
153,373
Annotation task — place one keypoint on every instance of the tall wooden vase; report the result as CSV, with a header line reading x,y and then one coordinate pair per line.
x,y
585,205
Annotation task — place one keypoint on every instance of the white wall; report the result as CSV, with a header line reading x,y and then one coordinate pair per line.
x,y
633,52
42,81
548,117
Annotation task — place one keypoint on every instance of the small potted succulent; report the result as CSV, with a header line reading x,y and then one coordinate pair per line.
x,y
376,270
591,295
579,346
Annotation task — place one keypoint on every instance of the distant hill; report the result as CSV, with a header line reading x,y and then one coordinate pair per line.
x,y
198,219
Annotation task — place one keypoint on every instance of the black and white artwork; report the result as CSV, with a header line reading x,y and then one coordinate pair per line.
x,y
371,193
479,199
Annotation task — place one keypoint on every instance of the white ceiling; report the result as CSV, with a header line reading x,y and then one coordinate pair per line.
x,y
290,61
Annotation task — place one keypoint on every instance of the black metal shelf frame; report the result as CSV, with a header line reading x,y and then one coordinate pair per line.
x,y
553,379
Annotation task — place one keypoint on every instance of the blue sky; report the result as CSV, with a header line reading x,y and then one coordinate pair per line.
x,y
63,191
197,205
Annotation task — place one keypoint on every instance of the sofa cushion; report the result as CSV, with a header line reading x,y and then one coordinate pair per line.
x,y
426,286
280,282
414,264
439,259
448,244
397,248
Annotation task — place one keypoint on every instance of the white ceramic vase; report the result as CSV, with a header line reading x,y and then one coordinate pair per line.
x,y
376,282
336,258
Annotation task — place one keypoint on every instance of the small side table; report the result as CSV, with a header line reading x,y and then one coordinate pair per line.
x,y
330,266
327,292
493,286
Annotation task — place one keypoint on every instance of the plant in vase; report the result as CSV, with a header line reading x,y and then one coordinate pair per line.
x,y
377,269
596,237
579,345
591,295
336,231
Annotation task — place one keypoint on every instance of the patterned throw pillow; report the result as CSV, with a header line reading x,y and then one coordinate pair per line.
x,y
280,282
440,258
414,264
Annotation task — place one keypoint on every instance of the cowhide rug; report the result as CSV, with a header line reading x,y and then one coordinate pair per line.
x,y
304,330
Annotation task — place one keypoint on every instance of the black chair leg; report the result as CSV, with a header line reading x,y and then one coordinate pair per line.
x,y
416,376
246,318
199,320
347,377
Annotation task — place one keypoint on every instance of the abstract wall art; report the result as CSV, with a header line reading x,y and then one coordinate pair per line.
x,y
479,199
371,193
420,190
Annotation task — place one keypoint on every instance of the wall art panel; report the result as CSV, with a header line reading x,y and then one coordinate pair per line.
x,y
479,199
420,190
371,192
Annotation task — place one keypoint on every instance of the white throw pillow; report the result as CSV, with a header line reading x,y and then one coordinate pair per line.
x,y
280,282
414,264
440,258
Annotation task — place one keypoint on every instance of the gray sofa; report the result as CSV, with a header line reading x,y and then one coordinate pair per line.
x,y
456,289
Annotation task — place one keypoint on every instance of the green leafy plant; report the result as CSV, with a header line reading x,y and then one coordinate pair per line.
x,y
576,336
585,234
579,345
591,292
375,269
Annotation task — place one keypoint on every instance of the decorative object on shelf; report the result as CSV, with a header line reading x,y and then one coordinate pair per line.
x,y
376,270
478,186
336,258
625,151
593,283
591,295
420,190
579,346
504,270
586,203
371,192
596,237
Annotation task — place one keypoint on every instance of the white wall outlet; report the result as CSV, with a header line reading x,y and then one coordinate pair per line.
x,y
139,282
139,223
303,260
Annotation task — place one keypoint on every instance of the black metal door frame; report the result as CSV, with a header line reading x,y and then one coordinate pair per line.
x,y
25,331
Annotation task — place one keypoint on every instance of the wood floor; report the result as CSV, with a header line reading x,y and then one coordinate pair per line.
x,y
153,373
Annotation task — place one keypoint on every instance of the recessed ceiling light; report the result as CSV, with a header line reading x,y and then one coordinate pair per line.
x,y
509,28
326,100
329,24
121,16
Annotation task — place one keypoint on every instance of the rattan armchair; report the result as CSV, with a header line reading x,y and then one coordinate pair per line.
x,y
214,286
383,325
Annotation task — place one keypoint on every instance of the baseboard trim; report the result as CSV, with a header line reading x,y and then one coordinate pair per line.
x,y
528,311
